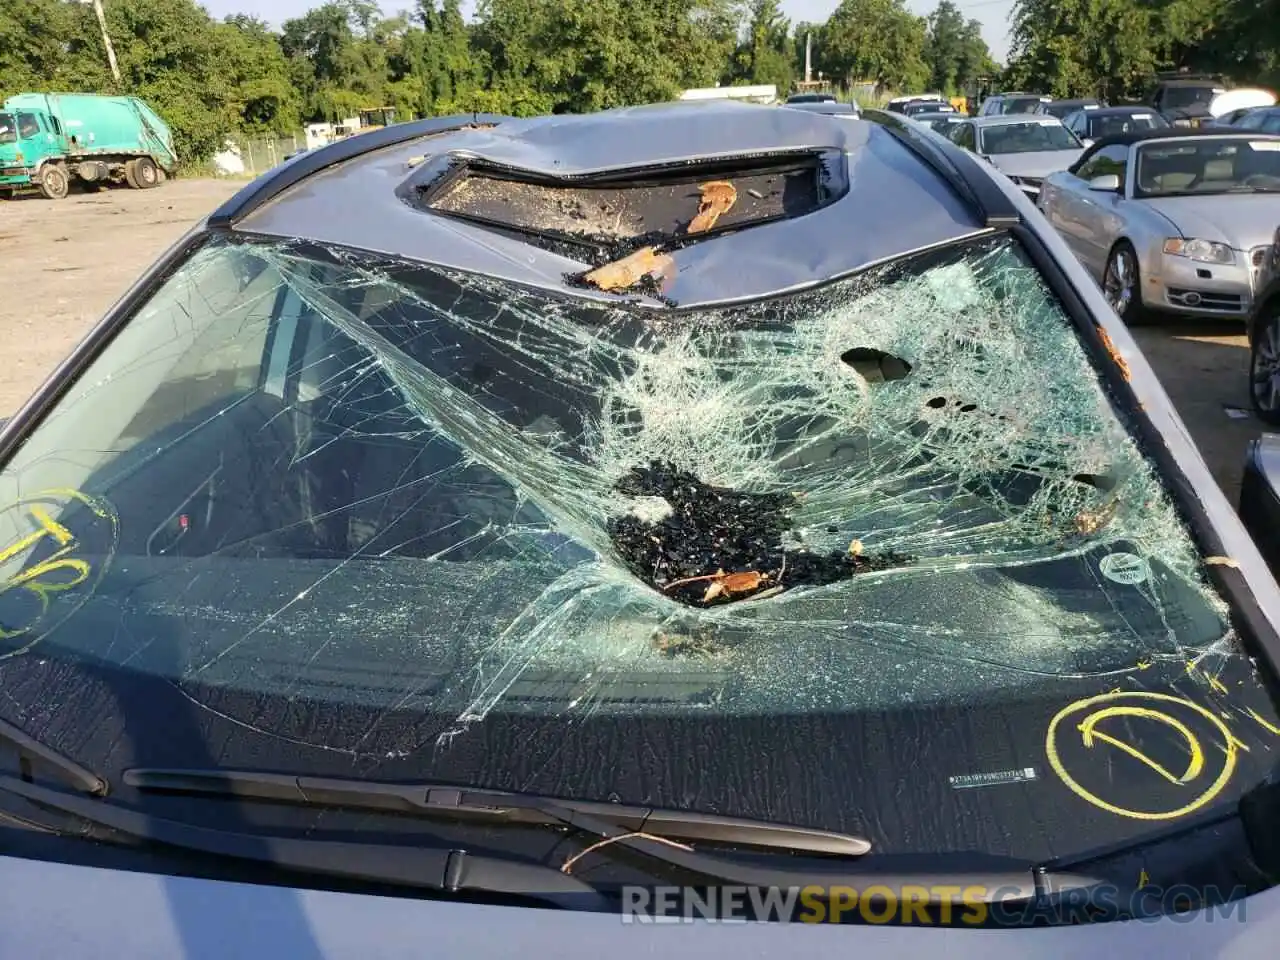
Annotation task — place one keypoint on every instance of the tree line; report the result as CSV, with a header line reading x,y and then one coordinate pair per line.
x,y
211,78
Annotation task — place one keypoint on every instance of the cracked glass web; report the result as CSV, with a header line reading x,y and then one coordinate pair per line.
x,y
360,480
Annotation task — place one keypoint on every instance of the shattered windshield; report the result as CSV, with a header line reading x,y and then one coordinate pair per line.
x,y
8,130
310,473
1031,136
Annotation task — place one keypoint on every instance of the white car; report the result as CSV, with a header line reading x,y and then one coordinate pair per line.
x,y
1024,147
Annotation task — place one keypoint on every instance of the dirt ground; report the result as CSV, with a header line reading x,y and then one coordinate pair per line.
x,y
68,261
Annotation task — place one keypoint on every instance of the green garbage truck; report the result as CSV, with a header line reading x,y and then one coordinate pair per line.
x,y
49,140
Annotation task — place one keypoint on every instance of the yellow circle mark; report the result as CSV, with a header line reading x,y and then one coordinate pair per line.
x,y
1107,707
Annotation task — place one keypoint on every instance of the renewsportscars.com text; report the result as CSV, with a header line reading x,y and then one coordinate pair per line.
x,y
926,906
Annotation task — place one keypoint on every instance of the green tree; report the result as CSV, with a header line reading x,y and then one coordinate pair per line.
x,y
954,50
875,40
764,55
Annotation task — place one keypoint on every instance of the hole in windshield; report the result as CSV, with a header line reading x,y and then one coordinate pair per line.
x,y
356,480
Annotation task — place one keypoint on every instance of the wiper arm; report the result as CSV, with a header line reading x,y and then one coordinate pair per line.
x,y
604,819
617,823
29,748
424,868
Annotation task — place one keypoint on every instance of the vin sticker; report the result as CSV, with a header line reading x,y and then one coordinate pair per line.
x,y
970,780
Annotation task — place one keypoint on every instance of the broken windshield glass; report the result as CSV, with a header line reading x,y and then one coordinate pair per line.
x,y
315,473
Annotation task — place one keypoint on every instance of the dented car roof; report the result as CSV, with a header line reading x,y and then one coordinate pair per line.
x,y
900,204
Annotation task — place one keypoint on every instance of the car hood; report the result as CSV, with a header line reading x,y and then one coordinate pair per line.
x,y
1243,220
1039,164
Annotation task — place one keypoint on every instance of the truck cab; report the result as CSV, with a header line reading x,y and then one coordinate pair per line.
x,y
27,139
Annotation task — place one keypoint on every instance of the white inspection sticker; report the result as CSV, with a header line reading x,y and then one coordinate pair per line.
x,y
1126,568
970,780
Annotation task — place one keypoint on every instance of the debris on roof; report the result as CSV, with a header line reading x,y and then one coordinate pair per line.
x,y
718,197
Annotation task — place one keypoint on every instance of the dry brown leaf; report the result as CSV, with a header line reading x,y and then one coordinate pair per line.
x,y
627,272
718,197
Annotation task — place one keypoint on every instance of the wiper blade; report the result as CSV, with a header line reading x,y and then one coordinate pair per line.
x,y
424,868
616,823
29,748
426,799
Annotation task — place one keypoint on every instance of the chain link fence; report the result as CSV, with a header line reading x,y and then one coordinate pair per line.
x,y
251,157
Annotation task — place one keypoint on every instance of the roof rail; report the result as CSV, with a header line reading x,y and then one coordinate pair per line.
x,y
957,167
276,181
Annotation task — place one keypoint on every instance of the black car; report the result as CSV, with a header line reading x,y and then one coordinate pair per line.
x,y
481,521
1003,103
1098,123
811,98
917,107
1183,99
1064,108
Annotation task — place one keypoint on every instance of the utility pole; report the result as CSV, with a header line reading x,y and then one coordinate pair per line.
x,y
106,41
808,56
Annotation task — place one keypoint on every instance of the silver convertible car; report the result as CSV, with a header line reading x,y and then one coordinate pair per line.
x,y
1172,220
559,535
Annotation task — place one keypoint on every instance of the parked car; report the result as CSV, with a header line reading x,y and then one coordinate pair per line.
x,y
939,122
1183,99
1101,122
830,107
497,532
1262,119
1175,220
1015,102
1024,148
811,98
927,106
900,104
1064,108
1264,340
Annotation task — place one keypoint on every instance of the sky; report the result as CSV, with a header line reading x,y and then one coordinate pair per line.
x,y
993,14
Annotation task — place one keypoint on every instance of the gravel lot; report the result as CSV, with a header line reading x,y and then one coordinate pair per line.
x,y
67,262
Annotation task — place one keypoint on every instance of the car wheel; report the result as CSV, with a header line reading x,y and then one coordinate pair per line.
x,y
1264,368
1121,283
54,183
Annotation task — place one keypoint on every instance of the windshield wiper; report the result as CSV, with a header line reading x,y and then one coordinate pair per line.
x,y
631,827
28,748
604,819
438,869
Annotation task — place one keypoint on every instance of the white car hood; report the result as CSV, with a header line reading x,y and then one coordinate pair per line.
x,y
1039,164
1242,220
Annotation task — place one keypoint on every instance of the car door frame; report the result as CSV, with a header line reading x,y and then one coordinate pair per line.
x,y
1106,209
1086,218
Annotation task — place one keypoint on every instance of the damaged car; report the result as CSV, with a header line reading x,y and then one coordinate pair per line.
x,y
517,532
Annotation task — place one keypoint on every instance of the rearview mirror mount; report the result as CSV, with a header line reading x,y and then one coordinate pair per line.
x,y
1107,183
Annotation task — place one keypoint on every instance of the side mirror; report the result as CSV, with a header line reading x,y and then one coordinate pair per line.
x,y
1107,183
1260,497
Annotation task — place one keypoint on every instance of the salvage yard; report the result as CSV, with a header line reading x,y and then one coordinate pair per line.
x,y
66,262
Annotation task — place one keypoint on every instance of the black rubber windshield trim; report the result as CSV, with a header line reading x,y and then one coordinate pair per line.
x,y
270,185
957,167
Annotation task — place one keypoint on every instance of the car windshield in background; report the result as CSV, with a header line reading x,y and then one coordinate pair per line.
x,y
1031,136
1181,98
940,123
1111,126
8,129
1022,104
1208,165
1064,108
